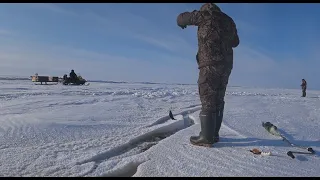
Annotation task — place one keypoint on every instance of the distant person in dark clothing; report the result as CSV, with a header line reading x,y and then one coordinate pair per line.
x,y
73,76
304,87
65,77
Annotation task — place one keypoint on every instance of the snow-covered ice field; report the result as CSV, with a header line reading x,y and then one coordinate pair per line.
x,y
110,129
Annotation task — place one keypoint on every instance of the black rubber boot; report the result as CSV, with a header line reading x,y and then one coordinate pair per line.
x,y
207,122
219,117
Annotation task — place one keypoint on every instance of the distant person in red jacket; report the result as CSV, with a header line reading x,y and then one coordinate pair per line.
x,y
304,87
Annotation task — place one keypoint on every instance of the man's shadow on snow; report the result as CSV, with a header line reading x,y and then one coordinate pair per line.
x,y
245,142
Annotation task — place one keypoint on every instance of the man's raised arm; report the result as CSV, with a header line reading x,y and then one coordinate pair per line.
x,y
189,18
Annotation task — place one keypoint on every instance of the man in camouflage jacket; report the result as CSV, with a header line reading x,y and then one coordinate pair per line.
x,y
217,36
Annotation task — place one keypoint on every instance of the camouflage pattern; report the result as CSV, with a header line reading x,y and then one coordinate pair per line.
x,y
304,88
217,35
212,84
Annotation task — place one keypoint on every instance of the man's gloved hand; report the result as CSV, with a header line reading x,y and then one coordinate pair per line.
x,y
183,27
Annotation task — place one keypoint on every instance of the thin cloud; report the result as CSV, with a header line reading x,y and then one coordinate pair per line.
x,y
24,60
129,24
133,25
170,43
4,32
51,7
253,67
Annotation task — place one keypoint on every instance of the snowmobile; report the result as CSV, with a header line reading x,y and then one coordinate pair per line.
x,y
77,82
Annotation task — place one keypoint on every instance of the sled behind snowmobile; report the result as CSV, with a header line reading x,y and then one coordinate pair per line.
x,y
52,80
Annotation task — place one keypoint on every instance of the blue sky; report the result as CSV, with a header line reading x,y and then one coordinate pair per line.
x,y
141,42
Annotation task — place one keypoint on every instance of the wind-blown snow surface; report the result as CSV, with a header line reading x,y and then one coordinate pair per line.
x,y
110,129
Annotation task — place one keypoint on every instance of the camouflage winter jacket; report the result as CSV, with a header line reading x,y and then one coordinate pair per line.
x,y
217,35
